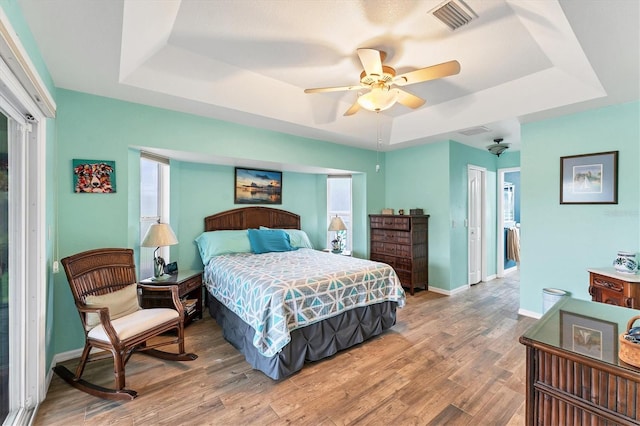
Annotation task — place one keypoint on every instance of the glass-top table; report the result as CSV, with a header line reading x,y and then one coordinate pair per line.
x,y
573,372
584,327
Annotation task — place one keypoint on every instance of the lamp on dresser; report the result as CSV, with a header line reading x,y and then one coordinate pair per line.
x,y
337,225
159,235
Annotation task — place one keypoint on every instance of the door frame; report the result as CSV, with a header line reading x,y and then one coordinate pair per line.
x,y
27,101
500,241
483,223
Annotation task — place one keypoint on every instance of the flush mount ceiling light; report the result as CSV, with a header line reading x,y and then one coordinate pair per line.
x,y
498,147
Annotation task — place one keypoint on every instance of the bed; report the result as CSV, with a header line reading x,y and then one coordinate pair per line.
x,y
287,306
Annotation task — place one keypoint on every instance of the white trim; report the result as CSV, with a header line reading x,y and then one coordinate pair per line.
x,y
37,262
449,292
483,222
12,51
66,356
510,270
500,242
530,314
18,316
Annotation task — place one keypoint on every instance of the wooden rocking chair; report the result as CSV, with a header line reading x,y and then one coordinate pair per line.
x,y
104,287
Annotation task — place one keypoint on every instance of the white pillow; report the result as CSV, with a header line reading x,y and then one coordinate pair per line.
x,y
120,303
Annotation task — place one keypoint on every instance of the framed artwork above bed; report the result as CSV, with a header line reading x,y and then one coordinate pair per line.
x,y
254,186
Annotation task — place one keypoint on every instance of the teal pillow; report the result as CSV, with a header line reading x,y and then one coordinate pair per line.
x,y
215,243
269,240
297,237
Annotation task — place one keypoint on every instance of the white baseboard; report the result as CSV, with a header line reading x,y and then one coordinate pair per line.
x,y
66,356
512,269
449,292
61,357
530,314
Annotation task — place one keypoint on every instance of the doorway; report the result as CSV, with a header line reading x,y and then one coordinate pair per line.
x,y
476,235
508,219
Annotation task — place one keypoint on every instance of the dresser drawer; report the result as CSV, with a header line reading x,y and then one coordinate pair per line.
x,y
403,263
389,260
613,291
388,236
405,277
391,249
390,222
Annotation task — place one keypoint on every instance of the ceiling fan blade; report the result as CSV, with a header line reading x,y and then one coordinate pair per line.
x,y
333,89
409,100
429,73
371,61
353,109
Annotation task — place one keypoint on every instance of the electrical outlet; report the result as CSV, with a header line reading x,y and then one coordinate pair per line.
x,y
55,267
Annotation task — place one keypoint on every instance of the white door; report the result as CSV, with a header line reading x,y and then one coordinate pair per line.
x,y
474,226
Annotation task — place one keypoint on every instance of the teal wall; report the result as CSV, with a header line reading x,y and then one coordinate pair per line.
x,y
434,177
559,242
204,189
508,159
417,178
463,156
94,128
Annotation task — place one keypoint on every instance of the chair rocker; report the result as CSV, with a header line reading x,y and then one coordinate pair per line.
x,y
104,287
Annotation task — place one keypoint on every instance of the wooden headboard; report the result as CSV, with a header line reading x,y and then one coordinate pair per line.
x,y
252,217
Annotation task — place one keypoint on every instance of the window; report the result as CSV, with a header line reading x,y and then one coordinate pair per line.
x,y
154,205
339,203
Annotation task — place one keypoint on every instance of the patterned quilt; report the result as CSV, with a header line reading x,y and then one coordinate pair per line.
x,y
278,292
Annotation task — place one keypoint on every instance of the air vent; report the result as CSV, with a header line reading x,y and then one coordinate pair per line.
x,y
454,13
474,131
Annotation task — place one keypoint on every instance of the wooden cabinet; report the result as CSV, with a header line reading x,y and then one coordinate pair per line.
x,y
569,383
403,243
189,289
606,285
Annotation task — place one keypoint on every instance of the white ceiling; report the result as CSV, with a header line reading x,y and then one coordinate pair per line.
x,y
248,61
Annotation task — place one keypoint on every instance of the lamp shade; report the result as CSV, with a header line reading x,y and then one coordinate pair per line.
x,y
159,235
337,224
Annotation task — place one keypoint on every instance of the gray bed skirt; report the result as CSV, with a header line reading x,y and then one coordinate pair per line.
x,y
310,343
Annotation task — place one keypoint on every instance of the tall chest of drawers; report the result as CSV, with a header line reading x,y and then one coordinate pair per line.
x,y
402,242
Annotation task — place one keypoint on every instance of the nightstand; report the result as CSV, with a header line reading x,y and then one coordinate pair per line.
x,y
189,284
343,252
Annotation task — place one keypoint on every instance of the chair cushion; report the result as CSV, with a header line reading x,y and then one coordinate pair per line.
x,y
120,303
135,323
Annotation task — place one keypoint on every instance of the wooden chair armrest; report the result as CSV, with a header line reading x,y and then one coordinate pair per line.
x,y
177,303
94,310
105,320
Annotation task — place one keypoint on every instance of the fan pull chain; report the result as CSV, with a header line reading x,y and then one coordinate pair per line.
x,y
378,143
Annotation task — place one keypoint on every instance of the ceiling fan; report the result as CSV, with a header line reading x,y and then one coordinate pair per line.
x,y
381,81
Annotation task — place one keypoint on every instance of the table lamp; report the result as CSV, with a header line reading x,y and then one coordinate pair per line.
x,y
337,225
159,235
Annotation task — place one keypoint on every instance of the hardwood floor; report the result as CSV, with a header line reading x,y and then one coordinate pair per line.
x,y
448,360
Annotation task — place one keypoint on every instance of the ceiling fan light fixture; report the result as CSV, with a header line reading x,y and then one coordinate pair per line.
x,y
380,98
498,147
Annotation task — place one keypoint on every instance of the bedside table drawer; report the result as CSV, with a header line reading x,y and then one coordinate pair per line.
x,y
191,284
